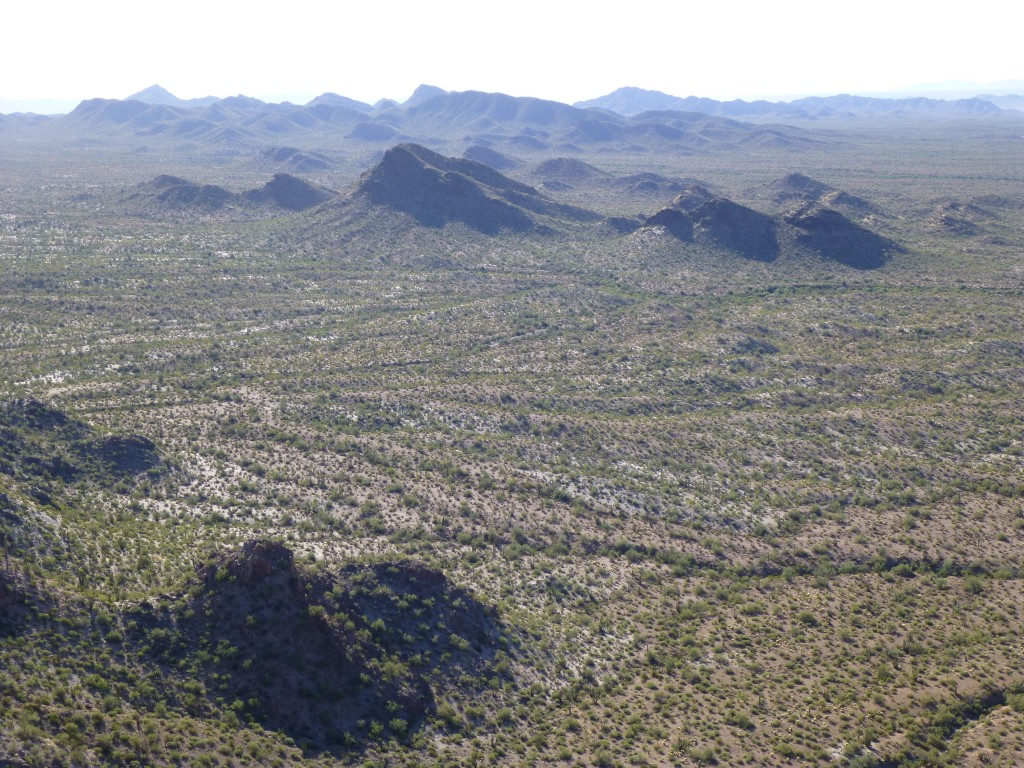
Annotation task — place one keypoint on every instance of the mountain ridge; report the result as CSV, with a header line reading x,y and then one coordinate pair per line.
x,y
629,101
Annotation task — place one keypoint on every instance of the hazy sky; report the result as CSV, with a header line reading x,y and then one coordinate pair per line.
x,y
553,49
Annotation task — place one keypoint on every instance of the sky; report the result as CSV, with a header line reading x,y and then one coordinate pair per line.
x,y
555,49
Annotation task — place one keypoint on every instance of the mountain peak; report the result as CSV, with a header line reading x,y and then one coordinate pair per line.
x,y
157,94
423,93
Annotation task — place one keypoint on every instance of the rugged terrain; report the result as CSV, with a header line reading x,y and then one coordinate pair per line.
x,y
493,431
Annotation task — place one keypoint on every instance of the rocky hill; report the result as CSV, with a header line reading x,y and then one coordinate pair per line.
x,y
434,190
333,660
806,225
171,195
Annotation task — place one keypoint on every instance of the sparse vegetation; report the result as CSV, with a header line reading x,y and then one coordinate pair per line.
x,y
339,488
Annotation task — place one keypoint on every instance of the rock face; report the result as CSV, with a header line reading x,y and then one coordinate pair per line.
x,y
256,560
322,656
16,601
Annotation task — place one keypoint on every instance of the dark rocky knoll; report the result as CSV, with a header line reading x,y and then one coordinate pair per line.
x,y
170,194
699,215
674,221
692,197
737,228
173,192
831,235
322,656
806,224
436,190
288,192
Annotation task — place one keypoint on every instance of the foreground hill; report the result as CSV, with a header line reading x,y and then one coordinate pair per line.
x,y
321,656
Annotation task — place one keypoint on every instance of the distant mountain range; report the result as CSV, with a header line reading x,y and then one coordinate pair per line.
x,y
627,101
633,101
431,116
